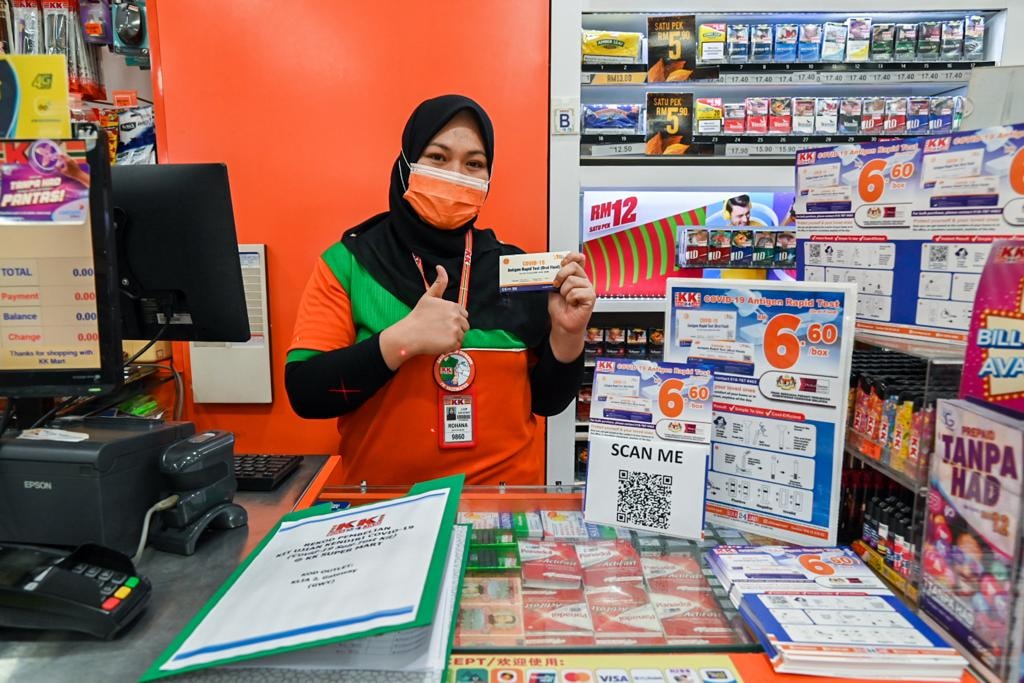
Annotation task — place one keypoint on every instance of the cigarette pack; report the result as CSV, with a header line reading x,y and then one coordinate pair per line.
x,y
614,346
611,47
803,115
809,46
609,562
872,121
764,249
883,37
785,249
929,39
761,42
719,247
826,119
551,611
858,39
786,42
636,347
918,115
567,525
833,46
742,254
655,342
895,115
974,37
940,118
711,43
611,118
738,45
850,110
695,252
757,114
906,42
709,115
952,39
735,118
550,565
593,346
483,590
780,115
958,111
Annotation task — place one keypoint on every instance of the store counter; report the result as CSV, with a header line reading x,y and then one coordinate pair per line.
x,y
505,634
181,586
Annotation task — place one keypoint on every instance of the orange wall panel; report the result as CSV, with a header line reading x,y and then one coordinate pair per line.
x,y
305,102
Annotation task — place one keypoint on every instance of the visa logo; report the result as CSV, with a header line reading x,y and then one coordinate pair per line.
x,y
612,676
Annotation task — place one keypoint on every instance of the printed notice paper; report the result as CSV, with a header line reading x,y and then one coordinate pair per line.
x,y
323,577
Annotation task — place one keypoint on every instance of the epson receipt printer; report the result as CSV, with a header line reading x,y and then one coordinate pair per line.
x,y
91,491
98,490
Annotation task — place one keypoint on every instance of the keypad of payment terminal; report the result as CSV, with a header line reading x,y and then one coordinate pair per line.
x,y
92,589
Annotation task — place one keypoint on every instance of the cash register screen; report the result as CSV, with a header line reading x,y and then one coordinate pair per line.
x,y
15,563
53,307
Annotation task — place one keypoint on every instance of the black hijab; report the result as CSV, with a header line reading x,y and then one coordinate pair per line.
x,y
384,245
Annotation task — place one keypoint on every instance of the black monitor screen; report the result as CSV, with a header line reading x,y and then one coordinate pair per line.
x,y
59,319
181,277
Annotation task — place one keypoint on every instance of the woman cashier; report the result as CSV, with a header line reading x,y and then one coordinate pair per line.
x,y
403,335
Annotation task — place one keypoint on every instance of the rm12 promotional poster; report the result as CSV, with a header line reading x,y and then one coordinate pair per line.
x,y
635,241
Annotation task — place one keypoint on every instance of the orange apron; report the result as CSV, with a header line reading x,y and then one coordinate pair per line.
x,y
392,438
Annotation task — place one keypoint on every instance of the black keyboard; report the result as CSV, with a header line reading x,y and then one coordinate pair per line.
x,y
264,472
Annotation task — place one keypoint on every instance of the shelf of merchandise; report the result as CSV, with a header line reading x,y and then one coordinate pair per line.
x,y
754,166
901,478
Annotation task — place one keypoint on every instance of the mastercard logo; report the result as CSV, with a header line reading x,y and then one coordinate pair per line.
x,y
577,677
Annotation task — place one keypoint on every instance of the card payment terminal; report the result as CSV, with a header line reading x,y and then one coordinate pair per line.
x,y
92,589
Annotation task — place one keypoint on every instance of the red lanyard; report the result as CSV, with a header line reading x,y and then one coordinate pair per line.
x,y
467,265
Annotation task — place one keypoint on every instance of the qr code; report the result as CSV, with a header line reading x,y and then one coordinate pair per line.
x,y
813,252
644,499
938,255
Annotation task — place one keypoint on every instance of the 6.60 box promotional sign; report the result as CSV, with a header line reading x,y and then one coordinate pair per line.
x,y
911,222
780,353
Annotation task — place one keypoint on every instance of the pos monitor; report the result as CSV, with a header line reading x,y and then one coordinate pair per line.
x,y
60,329
179,269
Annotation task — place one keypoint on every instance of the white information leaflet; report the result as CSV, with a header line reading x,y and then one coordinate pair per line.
x,y
402,654
324,577
780,353
650,426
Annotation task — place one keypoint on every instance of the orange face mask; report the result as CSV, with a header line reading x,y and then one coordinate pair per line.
x,y
442,198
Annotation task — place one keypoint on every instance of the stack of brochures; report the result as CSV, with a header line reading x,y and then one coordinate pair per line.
x,y
822,612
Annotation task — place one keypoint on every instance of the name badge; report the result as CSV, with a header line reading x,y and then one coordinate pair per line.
x,y
457,427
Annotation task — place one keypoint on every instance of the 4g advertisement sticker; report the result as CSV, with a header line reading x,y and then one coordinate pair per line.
x,y
780,353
